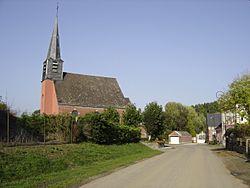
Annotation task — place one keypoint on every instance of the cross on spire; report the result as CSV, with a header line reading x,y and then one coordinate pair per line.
x,y
57,7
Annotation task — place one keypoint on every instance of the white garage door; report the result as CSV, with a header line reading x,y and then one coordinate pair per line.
x,y
174,140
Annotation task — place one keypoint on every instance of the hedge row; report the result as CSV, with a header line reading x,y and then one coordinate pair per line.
x,y
101,128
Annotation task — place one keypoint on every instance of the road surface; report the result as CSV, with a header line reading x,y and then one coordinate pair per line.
x,y
186,166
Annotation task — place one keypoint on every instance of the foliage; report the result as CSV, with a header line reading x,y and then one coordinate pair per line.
x,y
237,98
190,121
55,127
183,118
176,116
3,106
111,115
33,123
132,116
195,122
103,131
239,131
100,128
128,134
43,166
206,108
153,118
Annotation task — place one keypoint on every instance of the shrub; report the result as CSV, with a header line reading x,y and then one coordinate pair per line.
x,y
129,134
239,131
111,115
132,116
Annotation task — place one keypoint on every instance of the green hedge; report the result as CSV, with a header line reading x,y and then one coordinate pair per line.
x,y
102,131
101,128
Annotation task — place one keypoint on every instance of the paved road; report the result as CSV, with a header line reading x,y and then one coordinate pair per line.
x,y
187,166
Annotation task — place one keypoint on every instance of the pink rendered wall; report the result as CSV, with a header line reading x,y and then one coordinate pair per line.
x,y
49,104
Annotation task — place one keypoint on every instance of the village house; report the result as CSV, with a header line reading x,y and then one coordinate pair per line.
x,y
218,123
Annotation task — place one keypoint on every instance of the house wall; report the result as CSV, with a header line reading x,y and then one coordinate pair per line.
x,y
211,133
201,138
49,104
185,139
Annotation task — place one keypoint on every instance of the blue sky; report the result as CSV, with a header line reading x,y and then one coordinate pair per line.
x,y
159,50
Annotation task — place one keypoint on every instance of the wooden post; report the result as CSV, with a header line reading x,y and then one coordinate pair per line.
x,y
247,146
44,133
8,126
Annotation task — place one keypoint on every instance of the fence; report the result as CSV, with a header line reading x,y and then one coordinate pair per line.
x,y
11,131
240,145
31,130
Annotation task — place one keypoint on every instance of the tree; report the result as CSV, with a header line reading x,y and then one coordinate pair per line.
x,y
190,121
205,108
111,115
3,106
183,118
176,116
132,116
153,118
195,122
237,98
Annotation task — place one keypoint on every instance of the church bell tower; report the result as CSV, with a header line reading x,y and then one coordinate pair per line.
x,y
52,72
53,65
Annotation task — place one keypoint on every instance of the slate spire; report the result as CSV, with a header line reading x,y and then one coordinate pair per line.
x,y
53,65
54,47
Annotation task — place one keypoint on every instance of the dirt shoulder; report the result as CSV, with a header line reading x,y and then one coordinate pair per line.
x,y
235,163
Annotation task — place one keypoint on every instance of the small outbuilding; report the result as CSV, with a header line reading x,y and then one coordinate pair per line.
x,y
179,137
201,138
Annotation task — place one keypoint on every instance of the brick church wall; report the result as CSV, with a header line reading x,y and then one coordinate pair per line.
x,y
84,110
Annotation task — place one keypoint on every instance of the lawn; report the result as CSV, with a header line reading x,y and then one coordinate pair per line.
x,y
65,165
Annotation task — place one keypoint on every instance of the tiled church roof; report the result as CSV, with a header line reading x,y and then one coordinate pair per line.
x,y
89,91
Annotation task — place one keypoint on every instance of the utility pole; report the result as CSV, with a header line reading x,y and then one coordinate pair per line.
x,y
8,118
71,130
8,126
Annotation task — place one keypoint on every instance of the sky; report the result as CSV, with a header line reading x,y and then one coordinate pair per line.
x,y
158,50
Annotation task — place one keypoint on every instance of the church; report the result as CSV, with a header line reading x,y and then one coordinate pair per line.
x,y
64,92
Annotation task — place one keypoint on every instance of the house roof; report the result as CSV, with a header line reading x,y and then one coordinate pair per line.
x,y
179,133
214,120
89,91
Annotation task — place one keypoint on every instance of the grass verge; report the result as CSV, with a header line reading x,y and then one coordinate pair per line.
x,y
65,165
236,164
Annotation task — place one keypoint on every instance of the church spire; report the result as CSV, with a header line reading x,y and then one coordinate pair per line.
x,y
52,66
54,47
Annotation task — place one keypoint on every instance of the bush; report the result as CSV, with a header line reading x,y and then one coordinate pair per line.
x,y
239,131
108,133
128,134
97,128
